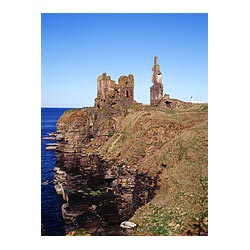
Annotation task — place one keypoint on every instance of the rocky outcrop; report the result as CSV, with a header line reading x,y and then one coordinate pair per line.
x,y
169,103
43,231
99,193
127,225
51,146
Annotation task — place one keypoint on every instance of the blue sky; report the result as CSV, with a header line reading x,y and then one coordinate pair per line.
x,y
77,48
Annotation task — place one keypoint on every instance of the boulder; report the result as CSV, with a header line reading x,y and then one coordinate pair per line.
x,y
128,225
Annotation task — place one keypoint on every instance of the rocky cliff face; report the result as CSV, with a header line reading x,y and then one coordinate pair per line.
x,y
99,192
110,162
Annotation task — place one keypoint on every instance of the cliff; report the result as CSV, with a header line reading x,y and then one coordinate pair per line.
x,y
111,162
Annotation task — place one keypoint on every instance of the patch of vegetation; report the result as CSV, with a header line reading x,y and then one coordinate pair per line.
x,y
135,106
183,195
73,110
175,144
71,191
97,192
155,220
78,232
123,136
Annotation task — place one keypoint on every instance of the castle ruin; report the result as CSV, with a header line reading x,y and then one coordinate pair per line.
x,y
156,91
110,93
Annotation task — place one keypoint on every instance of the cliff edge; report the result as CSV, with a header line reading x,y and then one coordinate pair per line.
x,y
143,163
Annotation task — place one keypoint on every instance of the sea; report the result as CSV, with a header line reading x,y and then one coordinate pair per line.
x,y
51,217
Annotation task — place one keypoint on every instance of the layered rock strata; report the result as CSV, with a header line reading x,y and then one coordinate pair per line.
x,y
99,193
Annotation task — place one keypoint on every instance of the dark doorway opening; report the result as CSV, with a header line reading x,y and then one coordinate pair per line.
x,y
168,104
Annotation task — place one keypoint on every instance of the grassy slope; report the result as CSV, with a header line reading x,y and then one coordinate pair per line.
x,y
174,142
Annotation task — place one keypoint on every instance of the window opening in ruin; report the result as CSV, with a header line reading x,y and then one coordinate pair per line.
x,y
168,104
98,106
127,93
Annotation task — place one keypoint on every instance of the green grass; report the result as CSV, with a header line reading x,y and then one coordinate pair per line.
x,y
78,232
175,144
183,194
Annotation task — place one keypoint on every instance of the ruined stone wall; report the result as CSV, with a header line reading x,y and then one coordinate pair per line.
x,y
109,93
156,91
126,89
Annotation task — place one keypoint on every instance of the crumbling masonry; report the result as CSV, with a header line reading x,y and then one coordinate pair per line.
x,y
156,91
110,93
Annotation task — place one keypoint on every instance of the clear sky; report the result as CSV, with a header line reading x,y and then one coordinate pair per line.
x,y
77,48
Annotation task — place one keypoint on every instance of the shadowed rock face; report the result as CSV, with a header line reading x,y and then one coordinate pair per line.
x,y
99,194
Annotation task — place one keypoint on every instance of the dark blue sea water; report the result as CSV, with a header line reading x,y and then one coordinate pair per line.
x,y
51,203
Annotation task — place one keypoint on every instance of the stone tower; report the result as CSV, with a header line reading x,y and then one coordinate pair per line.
x,y
156,91
105,88
126,89
109,93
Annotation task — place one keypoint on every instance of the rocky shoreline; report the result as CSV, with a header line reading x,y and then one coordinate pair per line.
x,y
102,177
102,203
